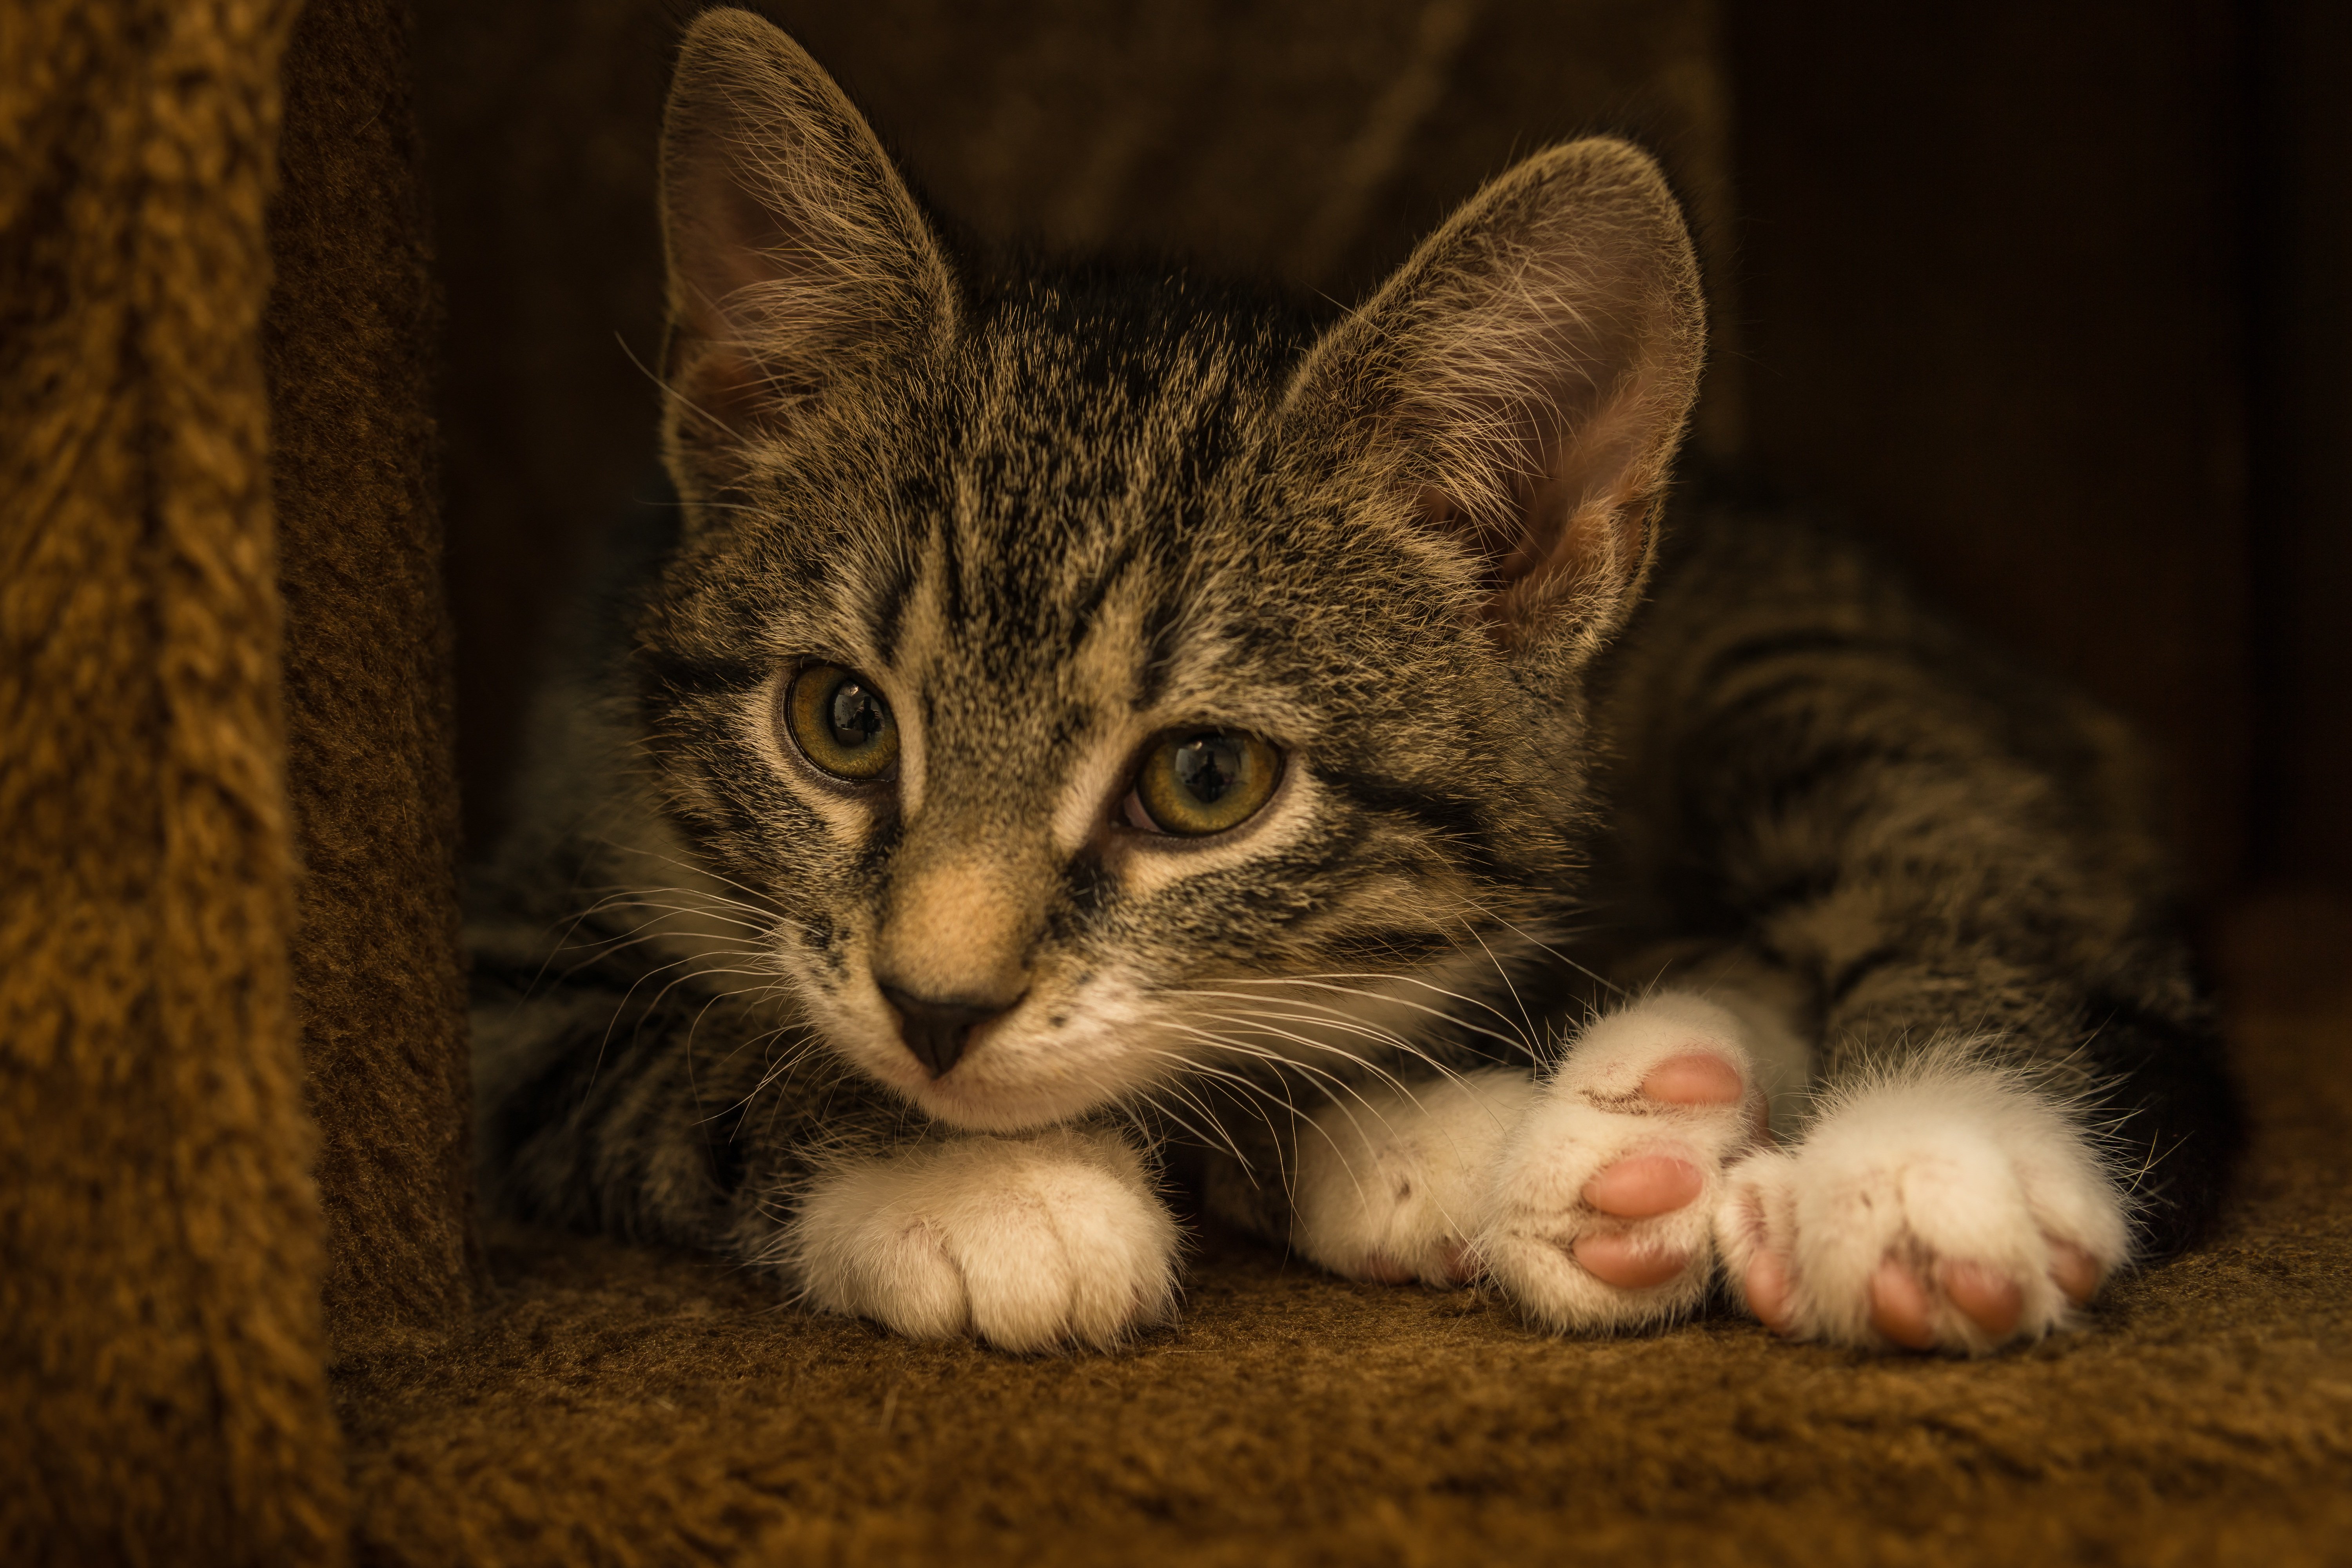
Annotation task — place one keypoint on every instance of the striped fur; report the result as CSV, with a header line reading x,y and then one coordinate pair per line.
x,y
1051,514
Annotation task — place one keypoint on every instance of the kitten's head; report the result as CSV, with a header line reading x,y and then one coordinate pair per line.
x,y
1062,655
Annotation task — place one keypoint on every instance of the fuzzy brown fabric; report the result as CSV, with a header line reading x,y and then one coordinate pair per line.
x,y
159,1343
637,1407
351,323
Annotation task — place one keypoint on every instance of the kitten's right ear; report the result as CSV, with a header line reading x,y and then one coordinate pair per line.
x,y
1522,384
797,257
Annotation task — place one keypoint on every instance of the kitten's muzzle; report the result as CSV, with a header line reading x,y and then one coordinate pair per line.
x,y
937,1031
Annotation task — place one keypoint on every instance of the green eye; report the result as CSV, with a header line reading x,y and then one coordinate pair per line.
x,y
840,722
1204,780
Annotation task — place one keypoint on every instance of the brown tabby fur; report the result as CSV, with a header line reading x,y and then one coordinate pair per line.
x,y
1414,548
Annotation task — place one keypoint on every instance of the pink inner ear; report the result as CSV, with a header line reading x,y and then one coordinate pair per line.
x,y
1531,367
1503,545
1601,537
722,236
1583,517
792,242
1587,514
720,388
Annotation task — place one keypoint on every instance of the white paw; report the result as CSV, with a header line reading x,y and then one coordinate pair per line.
x,y
1391,1185
1950,1207
1599,1215
1028,1243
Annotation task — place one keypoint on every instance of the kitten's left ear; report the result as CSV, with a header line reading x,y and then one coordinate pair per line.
x,y
1523,382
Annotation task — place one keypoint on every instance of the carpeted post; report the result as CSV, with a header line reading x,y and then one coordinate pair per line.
x,y
351,322
161,1356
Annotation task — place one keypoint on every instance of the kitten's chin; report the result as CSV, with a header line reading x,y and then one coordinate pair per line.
x,y
992,1110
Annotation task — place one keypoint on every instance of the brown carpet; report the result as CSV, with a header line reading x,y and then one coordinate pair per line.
x,y
630,1406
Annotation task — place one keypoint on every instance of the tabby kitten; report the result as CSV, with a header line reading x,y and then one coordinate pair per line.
x,y
1084,716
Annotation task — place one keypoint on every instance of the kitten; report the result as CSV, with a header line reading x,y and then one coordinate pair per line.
x,y
1087,715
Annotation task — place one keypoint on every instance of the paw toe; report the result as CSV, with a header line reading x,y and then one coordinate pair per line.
x,y
2076,1272
1900,1308
1695,1078
1600,1215
1616,1258
1770,1296
1989,1299
1644,1185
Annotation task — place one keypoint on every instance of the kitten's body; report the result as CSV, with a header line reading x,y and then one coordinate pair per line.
x,y
1779,824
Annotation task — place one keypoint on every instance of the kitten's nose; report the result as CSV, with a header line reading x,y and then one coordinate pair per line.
x,y
936,1029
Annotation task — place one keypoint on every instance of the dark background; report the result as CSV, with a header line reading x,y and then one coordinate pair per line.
x,y
2053,296
2050,298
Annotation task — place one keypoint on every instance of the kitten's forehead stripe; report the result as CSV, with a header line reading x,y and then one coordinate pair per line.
x,y
1091,595
888,615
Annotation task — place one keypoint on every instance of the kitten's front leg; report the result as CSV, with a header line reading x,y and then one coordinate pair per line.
x,y
1943,1203
1031,1244
1392,1180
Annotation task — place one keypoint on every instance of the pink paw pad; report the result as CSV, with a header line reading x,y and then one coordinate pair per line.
x,y
1614,1259
1644,1185
1900,1308
1991,1300
2075,1270
1767,1293
1695,1078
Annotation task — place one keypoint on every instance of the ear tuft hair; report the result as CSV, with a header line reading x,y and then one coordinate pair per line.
x,y
797,256
1525,379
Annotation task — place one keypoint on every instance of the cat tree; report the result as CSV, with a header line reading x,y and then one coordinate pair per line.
x,y
245,1314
